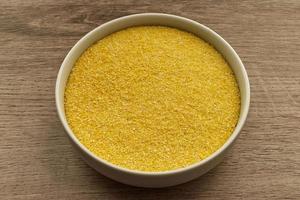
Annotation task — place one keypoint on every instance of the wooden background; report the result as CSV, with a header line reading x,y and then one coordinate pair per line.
x,y
36,158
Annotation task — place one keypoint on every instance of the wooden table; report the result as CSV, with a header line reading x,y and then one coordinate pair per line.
x,y
36,158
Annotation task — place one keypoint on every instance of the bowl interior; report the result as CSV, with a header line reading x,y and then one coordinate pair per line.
x,y
164,20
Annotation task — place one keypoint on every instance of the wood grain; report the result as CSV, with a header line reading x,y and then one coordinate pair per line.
x,y
36,158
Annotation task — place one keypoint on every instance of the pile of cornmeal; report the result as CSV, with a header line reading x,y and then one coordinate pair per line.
x,y
152,98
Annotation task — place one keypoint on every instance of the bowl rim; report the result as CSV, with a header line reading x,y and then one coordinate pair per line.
x,y
227,144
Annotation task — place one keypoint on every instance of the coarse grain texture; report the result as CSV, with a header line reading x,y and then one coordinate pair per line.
x,y
152,98
36,158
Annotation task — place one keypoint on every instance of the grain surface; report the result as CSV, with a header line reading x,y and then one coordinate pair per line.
x,y
36,158
152,98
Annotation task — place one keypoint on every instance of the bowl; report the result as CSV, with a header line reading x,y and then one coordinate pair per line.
x,y
141,178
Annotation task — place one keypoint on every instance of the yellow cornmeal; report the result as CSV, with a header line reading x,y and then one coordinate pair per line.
x,y
152,98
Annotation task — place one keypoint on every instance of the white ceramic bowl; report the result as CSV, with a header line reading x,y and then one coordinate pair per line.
x,y
153,179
